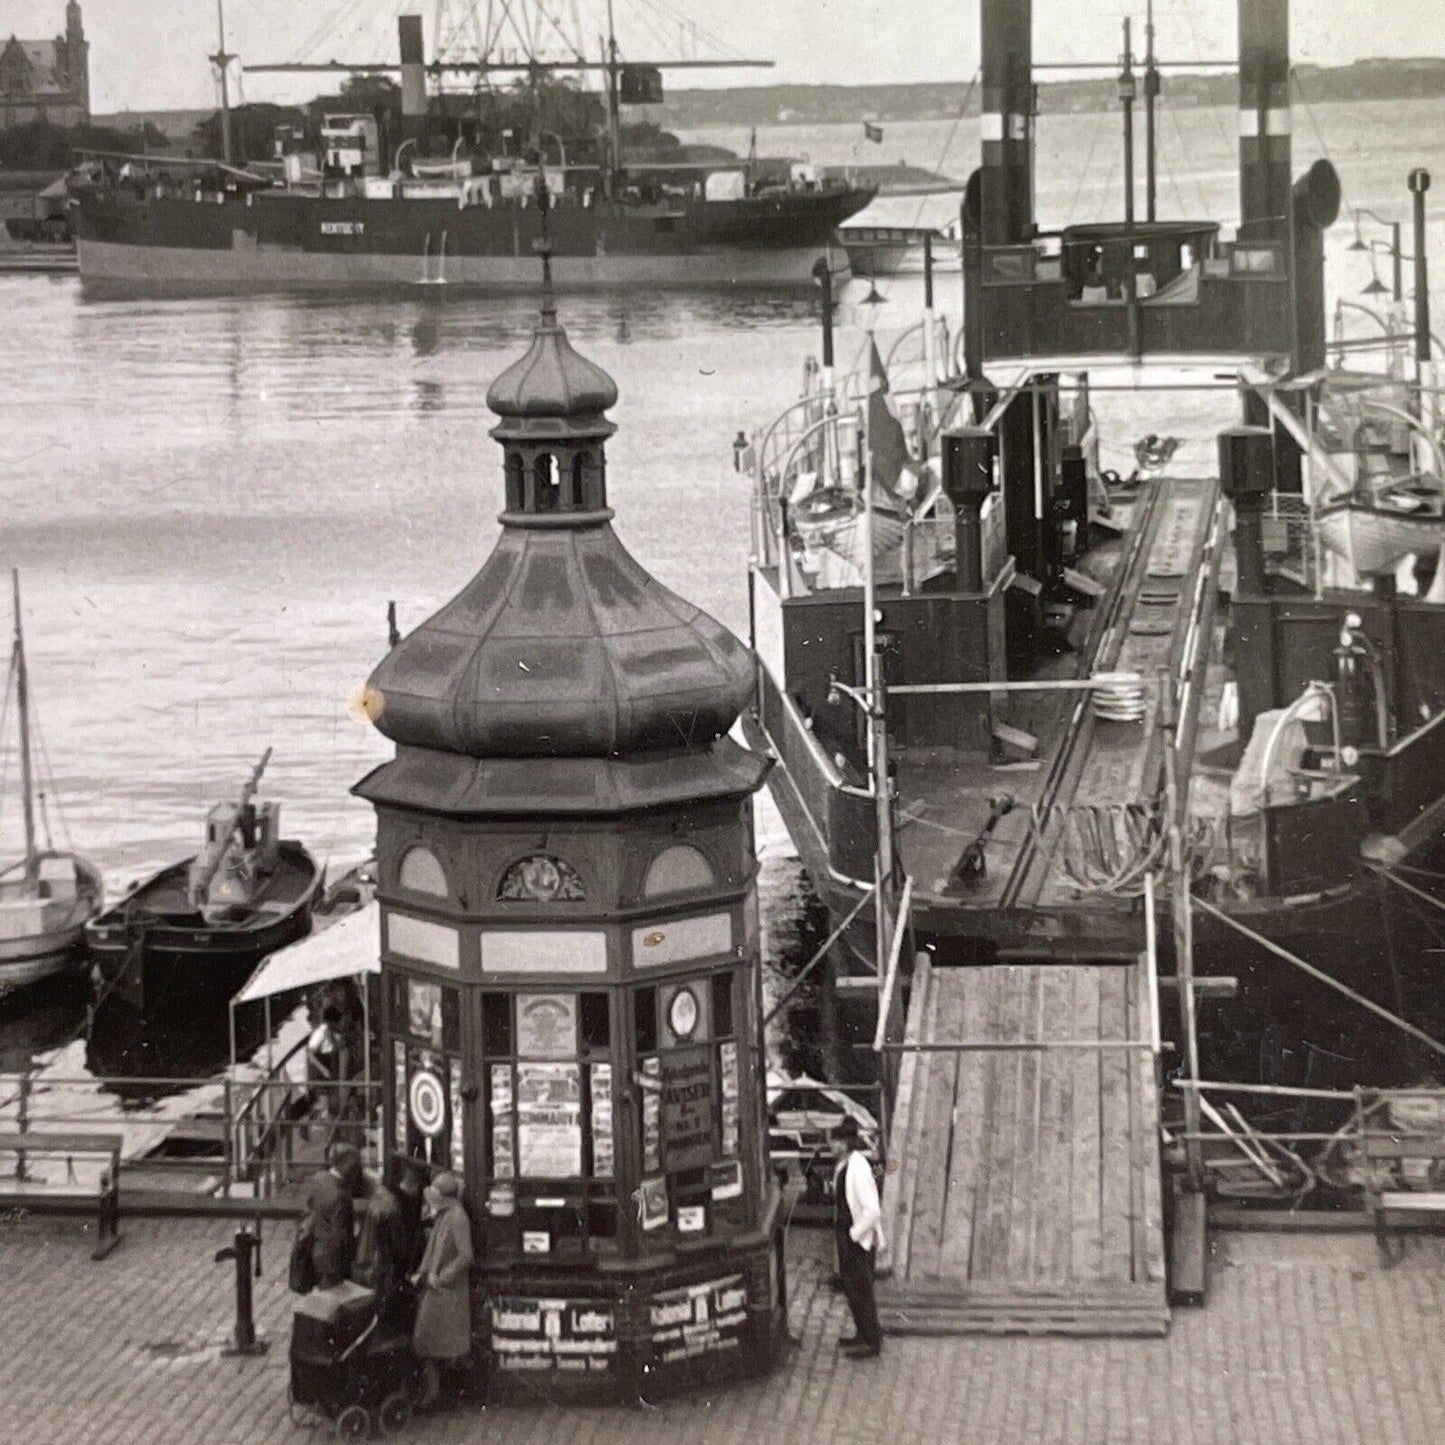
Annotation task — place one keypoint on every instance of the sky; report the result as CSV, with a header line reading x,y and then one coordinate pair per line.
x,y
150,54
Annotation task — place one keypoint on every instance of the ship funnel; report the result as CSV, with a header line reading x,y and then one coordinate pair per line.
x,y
413,69
1264,118
1006,124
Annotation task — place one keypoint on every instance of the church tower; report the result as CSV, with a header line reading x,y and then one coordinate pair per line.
x,y
77,53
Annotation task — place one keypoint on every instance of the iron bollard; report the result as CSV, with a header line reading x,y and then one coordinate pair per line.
x,y
245,1249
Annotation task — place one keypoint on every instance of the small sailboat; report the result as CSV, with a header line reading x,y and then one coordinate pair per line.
x,y
47,896
190,936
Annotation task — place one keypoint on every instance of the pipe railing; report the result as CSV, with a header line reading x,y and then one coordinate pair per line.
x,y
258,1120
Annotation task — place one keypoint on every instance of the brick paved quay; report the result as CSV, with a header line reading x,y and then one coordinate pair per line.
x,y
1305,1339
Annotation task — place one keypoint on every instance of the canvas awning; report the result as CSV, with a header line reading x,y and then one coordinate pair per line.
x,y
343,949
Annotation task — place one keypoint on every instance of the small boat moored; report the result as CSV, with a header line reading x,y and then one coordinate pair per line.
x,y
191,934
46,896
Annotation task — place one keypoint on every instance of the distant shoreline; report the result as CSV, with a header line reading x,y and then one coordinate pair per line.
x,y
769,105
766,106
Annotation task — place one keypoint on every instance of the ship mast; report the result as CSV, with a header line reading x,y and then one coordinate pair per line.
x,y
22,697
222,61
1151,93
614,107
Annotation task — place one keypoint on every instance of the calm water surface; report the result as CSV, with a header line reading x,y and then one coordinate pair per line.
x,y
212,501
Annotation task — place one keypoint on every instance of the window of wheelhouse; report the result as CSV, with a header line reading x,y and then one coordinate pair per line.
x,y
550,1146
426,1063
687,1044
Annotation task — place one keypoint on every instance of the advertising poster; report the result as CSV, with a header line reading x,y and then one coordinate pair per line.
x,y
547,1025
701,1319
728,1067
687,1108
553,1335
603,1153
399,1095
653,1197
454,1090
504,1165
651,1117
549,1121
424,1011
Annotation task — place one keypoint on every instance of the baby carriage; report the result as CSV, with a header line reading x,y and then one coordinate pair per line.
x,y
348,1367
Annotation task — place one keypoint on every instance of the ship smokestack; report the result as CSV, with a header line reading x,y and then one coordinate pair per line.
x,y
1264,117
1007,121
413,74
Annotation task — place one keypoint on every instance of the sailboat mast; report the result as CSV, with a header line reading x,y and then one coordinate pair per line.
x,y
22,697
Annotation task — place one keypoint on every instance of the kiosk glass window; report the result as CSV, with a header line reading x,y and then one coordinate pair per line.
x,y
550,1141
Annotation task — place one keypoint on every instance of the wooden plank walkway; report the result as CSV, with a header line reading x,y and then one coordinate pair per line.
x,y
1027,1197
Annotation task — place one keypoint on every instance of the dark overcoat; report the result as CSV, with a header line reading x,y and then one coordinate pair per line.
x,y
444,1310
331,1218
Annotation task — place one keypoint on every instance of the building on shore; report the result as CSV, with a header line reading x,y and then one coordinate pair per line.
x,y
47,81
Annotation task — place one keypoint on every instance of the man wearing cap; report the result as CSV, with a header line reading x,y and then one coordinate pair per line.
x,y
857,1228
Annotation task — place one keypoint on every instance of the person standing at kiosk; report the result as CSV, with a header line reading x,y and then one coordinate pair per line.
x,y
856,1225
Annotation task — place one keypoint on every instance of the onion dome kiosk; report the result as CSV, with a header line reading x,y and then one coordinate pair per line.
x,y
570,958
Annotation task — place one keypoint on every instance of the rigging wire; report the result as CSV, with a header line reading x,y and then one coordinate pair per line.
x,y
1173,115
4,719
1099,120
47,772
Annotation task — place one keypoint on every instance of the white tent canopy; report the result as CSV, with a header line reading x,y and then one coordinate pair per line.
x,y
343,949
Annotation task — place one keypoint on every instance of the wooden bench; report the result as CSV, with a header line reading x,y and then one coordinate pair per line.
x,y
67,1145
1395,1208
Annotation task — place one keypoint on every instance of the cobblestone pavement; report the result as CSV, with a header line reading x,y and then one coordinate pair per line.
x,y
1305,1339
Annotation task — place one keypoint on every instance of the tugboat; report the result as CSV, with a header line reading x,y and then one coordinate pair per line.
x,y
47,896
190,936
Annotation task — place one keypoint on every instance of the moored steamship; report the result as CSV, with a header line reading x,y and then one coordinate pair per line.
x,y
358,214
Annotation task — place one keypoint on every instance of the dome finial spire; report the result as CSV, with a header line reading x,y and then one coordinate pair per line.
x,y
544,243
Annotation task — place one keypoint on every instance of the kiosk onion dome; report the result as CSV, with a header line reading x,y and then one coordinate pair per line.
x,y
562,645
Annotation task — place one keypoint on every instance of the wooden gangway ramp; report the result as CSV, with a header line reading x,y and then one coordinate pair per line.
x,y
1024,1191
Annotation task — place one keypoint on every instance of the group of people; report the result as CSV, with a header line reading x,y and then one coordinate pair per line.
x,y
404,1238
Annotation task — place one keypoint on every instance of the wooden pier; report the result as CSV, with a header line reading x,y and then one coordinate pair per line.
x,y
1027,1194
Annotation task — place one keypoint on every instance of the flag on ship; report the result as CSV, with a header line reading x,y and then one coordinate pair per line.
x,y
885,431
873,132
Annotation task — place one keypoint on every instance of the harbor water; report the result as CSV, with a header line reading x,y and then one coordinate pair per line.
x,y
211,501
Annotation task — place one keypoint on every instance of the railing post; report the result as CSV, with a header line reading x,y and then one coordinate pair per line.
x,y
23,1114
228,1144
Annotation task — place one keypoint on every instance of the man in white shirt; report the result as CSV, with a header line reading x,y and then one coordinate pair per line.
x,y
858,1231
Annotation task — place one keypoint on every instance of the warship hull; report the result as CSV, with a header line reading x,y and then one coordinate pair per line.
x,y
288,241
